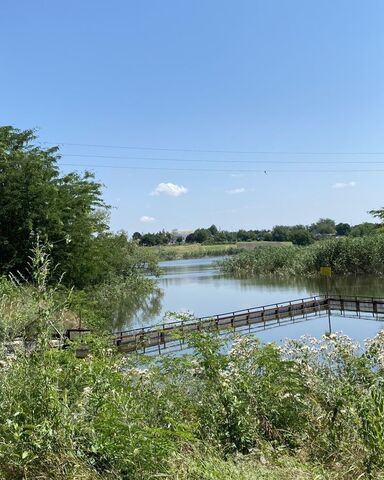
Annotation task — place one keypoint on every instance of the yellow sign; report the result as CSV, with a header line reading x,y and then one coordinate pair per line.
x,y
326,271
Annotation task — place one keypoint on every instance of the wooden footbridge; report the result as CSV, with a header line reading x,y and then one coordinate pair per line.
x,y
160,337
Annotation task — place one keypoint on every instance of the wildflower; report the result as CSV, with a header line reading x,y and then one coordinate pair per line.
x,y
87,391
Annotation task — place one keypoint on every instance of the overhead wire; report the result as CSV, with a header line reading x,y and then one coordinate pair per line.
x,y
186,160
200,150
215,170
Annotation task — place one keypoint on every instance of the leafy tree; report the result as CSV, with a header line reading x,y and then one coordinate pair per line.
x,y
343,229
324,226
378,213
280,233
213,229
300,236
364,229
136,236
35,199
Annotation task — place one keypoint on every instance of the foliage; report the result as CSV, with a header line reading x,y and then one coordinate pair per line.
x,y
151,239
343,229
196,250
297,234
324,226
35,199
347,255
310,409
231,408
364,229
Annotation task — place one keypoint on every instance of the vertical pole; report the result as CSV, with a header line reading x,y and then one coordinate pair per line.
x,y
329,321
278,313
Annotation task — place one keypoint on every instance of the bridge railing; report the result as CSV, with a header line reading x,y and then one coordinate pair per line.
x,y
254,318
245,311
140,338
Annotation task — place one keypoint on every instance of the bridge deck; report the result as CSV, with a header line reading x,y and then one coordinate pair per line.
x,y
140,339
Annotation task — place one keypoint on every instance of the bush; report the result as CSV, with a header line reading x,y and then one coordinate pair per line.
x,y
347,255
110,416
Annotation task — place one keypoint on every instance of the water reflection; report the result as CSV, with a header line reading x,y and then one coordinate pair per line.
x,y
197,286
138,311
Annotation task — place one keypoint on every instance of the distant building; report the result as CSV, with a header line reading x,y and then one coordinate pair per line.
x,y
183,234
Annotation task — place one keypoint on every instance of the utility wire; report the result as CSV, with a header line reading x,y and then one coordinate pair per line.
x,y
195,160
261,152
126,167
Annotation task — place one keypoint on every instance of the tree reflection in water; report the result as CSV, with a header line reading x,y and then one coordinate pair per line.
x,y
137,311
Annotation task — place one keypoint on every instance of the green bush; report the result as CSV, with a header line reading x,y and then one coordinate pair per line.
x,y
362,255
110,416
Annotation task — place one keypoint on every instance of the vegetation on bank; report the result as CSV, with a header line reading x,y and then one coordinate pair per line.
x,y
64,211
231,409
309,409
176,252
296,234
363,255
65,218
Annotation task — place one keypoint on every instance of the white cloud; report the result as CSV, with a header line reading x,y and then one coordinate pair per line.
x,y
146,219
236,191
344,185
169,189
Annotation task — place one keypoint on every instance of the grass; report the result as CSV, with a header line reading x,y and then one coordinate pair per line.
x,y
364,255
197,250
310,409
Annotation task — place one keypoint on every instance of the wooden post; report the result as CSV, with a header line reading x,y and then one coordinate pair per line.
x,y
374,307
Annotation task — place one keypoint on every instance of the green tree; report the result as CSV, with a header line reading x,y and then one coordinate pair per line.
x,y
364,229
324,226
213,229
280,233
300,236
136,236
343,229
35,199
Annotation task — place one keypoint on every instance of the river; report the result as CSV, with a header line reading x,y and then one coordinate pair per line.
x,y
199,287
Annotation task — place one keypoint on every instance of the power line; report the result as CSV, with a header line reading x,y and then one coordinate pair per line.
x,y
126,167
195,160
258,152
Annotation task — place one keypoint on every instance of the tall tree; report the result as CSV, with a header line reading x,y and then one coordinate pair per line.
x,y
324,226
35,199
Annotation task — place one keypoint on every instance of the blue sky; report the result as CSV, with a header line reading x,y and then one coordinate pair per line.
x,y
213,77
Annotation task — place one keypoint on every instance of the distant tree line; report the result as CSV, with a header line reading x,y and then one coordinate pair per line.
x,y
297,234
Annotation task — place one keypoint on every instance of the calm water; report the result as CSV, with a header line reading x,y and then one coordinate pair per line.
x,y
197,286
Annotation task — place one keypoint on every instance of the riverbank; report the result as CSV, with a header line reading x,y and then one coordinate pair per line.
x,y
309,409
197,250
364,255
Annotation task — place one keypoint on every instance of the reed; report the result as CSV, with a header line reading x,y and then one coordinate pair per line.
x,y
364,255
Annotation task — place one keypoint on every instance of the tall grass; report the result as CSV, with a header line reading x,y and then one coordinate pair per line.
x,y
363,255
197,250
310,409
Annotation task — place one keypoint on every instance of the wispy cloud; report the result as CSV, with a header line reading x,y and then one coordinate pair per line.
x,y
235,191
344,185
146,219
169,189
